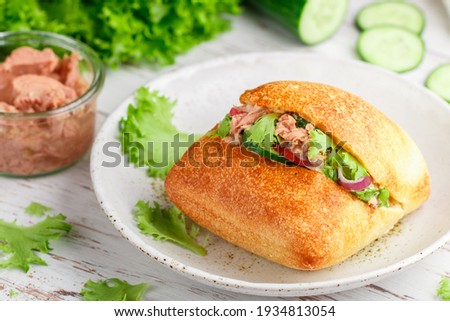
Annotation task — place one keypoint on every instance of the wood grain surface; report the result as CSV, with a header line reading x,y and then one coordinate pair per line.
x,y
94,249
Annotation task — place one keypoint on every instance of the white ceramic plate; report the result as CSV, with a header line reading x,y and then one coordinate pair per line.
x,y
205,93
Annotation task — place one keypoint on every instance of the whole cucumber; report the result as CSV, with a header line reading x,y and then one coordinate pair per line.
x,y
312,20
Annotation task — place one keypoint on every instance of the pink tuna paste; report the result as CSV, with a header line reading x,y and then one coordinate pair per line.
x,y
37,81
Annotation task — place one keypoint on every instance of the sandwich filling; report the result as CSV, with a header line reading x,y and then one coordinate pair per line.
x,y
287,138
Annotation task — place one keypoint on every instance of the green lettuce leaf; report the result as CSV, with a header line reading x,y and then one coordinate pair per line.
x,y
148,136
338,159
167,225
13,293
367,194
22,15
330,171
37,209
21,243
113,290
444,289
381,194
319,143
124,31
351,168
383,197
262,132
224,126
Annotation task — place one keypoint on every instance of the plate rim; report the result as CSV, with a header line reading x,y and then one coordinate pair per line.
x,y
247,287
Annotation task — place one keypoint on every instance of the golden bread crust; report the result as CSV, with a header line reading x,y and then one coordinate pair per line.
x,y
386,151
289,215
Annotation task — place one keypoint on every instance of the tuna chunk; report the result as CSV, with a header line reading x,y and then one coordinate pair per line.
x,y
81,86
69,70
70,74
6,108
5,84
244,120
26,60
40,93
287,130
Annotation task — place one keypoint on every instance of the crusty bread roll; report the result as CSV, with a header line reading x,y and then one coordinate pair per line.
x,y
292,215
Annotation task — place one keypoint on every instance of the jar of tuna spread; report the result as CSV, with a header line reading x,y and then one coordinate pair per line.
x,y
48,90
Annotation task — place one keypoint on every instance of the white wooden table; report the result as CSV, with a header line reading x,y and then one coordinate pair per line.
x,y
94,249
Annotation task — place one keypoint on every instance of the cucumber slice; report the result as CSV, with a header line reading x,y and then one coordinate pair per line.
x,y
320,19
265,153
312,20
395,14
390,47
439,81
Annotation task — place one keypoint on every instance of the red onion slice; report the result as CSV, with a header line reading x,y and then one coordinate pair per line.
x,y
356,185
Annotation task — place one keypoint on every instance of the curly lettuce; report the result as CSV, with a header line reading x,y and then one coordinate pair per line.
x,y
113,290
168,224
21,243
224,126
262,132
443,291
336,158
148,136
319,143
124,31
37,209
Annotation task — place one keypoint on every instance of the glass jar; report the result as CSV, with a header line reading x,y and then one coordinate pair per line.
x,y
40,143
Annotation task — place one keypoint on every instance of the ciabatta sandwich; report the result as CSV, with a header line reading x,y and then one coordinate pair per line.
x,y
303,174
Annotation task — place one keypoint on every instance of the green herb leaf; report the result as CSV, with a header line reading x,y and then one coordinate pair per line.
x,y
22,242
224,126
262,132
300,122
37,209
444,289
167,225
148,136
113,290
